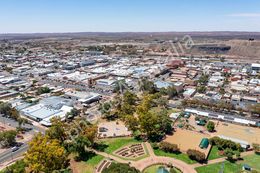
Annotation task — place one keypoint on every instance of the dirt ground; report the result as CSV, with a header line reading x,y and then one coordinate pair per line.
x,y
186,139
4,127
249,134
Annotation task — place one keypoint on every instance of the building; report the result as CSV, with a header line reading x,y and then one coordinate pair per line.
x,y
47,109
255,67
82,97
105,82
188,93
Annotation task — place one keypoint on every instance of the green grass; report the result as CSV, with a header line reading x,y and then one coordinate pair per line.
x,y
89,165
215,168
184,157
92,163
214,153
154,168
252,160
116,143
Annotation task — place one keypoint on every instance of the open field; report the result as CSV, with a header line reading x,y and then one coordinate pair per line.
x,y
252,160
183,139
249,134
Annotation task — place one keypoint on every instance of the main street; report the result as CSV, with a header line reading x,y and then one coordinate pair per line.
x,y
8,154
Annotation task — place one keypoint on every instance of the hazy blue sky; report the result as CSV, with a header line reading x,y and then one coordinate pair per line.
x,y
25,16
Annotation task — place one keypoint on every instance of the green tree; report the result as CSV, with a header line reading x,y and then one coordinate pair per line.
x,y
45,155
201,89
5,108
203,79
147,86
43,90
172,92
211,126
57,130
7,138
18,167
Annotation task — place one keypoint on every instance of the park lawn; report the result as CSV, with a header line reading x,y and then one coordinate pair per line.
x,y
89,165
214,153
116,143
215,168
252,160
183,157
152,169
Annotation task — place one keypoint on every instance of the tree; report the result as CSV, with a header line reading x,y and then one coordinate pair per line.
x,y
120,168
256,147
79,146
132,123
172,92
7,138
147,86
229,154
17,167
57,130
203,79
5,108
162,102
73,113
196,155
43,90
45,155
155,126
201,89
211,126
168,147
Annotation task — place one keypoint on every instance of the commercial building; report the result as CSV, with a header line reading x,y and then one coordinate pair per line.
x,y
83,97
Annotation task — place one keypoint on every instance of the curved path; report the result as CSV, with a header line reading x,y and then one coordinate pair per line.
x,y
144,163
152,160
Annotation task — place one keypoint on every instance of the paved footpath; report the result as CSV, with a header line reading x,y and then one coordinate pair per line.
x,y
151,160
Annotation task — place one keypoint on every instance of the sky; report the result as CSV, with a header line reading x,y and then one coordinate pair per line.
x,y
49,16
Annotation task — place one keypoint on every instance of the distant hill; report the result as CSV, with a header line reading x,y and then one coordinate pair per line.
x,y
135,35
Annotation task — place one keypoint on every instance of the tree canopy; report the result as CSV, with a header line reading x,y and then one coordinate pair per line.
x,y
45,155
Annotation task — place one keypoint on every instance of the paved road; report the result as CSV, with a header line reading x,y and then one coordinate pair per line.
x,y
8,155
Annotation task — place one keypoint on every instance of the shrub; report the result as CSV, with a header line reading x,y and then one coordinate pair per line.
x,y
256,147
211,126
222,144
168,147
196,155
120,168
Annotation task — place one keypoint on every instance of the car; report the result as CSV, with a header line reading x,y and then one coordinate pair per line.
x,y
15,148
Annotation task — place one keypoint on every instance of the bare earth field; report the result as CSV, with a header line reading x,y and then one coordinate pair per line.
x,y
186,139
249,134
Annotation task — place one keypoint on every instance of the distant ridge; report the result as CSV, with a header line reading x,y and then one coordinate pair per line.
x,y
133,35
